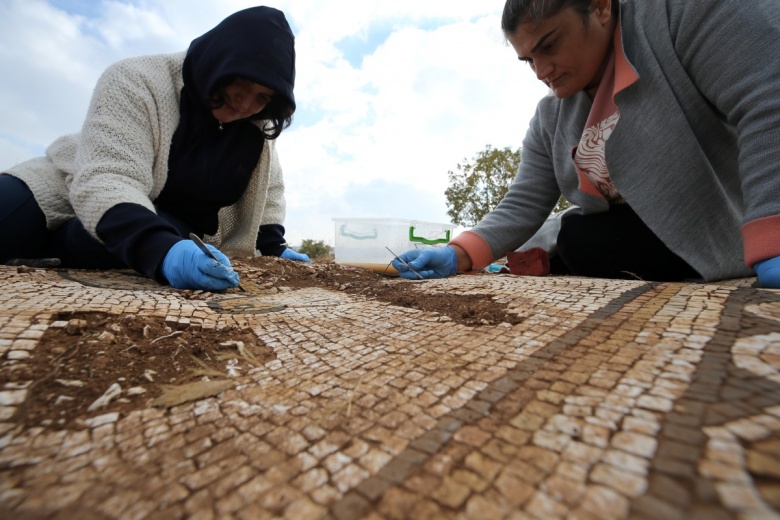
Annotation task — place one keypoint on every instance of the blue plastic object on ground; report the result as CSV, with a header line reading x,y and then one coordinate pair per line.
x,y
768,272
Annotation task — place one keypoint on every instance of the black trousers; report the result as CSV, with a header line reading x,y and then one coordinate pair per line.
x,y
23,232
616,244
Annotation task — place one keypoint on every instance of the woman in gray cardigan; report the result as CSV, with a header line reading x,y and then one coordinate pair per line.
x,y
662,127
172,144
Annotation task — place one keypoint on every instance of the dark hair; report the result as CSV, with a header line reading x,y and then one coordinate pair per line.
x,y
278,111
518,12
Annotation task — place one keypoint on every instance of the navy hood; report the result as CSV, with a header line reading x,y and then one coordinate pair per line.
x,y
210,164
255,43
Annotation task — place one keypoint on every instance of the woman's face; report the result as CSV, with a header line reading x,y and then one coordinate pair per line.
x,y
243,98
567,55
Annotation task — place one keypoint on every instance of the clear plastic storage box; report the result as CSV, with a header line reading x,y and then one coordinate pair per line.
x,y
368,242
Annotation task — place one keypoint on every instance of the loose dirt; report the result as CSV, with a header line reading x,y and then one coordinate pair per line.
x,y
471,310
92,364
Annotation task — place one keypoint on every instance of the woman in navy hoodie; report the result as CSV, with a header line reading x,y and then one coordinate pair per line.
x,y
172,144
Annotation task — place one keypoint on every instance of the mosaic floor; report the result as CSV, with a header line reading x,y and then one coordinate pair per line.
x,y
610,399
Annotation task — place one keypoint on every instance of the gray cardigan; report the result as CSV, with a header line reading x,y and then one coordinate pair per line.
x,y
697,149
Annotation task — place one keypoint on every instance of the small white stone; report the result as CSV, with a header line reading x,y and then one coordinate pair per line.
x,y
101,402
17,385
205,407
70,382
60,324
24,344
6,412
232,368
107,337
100,420
12,397
641,445
75,326
660,404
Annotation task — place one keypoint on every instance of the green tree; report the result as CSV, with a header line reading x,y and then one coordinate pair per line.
x,y
561,205
315,249
478,186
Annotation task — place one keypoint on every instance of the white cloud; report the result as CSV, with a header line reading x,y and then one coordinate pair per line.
x,y
373,137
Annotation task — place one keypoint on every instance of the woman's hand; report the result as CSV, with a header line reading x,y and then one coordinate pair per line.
x,y
289,254
429,262
768,272
187,267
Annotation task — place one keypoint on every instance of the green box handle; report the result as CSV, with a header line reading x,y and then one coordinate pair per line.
x,y
357,236
428,241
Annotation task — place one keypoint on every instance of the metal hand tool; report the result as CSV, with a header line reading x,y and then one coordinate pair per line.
x,y
208,252
405,263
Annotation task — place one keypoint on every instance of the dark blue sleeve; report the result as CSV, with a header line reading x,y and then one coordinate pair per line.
x,y
139,237
270,240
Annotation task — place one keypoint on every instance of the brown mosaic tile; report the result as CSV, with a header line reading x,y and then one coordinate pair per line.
x,y
597,399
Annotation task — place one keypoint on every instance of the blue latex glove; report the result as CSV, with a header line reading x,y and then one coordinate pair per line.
x,y
187,267
768,272
289,254
429,262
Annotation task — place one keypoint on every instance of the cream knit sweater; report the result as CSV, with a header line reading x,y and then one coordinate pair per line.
x,y
121,156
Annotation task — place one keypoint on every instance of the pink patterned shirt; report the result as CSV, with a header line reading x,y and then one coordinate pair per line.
x,y
589,155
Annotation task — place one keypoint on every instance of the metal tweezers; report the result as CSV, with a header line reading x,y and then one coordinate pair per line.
x,y
208,252
405,263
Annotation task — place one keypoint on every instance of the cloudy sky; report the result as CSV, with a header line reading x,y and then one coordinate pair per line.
x,y
391,94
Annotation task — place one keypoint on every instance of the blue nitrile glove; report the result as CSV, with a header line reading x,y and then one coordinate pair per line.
x,y
289,254
187,267
429,262
768,272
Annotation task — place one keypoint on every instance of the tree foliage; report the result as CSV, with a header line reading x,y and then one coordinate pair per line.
x,y
315,249
561,205
478,186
